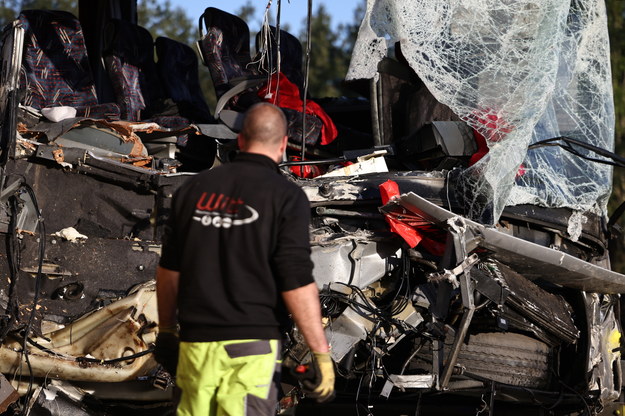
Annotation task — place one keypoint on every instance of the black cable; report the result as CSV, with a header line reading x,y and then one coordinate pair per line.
x,y
618,212
41,347
618,161
89,359
115,360
42,248
313,162
418,409
306,74
12,309
533,392
364,306
575,392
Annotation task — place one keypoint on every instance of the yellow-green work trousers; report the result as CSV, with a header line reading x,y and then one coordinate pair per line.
x,y
228,378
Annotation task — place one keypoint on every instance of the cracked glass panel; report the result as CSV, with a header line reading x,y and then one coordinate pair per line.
x,y
518,72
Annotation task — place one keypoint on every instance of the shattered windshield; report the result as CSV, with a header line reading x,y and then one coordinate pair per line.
x,y
518,72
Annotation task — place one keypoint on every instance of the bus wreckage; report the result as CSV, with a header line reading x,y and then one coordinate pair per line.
x,y
460,235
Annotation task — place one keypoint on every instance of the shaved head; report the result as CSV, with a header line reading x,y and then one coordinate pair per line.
x,y
264,124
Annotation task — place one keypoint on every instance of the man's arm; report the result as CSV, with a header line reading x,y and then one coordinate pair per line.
x,y
167,297
166,347
303,303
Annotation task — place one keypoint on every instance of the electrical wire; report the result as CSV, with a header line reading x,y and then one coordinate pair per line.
x,y
42,248
278,50
412,355
568,143
90,359
359,302
306,75
12,309
115,360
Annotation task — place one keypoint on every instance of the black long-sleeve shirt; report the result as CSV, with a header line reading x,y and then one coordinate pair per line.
x,y
238,235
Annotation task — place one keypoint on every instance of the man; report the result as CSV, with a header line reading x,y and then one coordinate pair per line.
x,y
235,245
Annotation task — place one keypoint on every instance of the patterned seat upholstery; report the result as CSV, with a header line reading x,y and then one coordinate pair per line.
x,y
291,57
225,50
129,60
177,67
56,69
171,101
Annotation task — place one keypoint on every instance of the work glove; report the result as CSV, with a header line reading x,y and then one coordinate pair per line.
x,y
317,378
166,349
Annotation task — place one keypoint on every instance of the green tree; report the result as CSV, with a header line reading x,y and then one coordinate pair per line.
x,y
10,9
328,60
350,30
161,19
247,11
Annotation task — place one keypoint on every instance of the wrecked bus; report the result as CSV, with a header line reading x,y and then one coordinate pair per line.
x,y
459,231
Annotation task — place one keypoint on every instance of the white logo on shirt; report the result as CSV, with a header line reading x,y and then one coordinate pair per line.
x,y
226,220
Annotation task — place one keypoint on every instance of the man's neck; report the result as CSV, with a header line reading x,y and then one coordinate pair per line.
x,y
264,152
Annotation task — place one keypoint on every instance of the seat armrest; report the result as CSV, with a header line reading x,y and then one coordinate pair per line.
x,y
217,131
242,84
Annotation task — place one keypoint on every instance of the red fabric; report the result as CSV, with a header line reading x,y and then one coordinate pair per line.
x,y
388,191
305,171
409,234
288,97
497,129
408,226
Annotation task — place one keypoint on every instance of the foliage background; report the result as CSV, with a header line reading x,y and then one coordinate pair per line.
x,y
330,58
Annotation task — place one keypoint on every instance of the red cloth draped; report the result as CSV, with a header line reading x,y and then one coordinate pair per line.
x,y
288,97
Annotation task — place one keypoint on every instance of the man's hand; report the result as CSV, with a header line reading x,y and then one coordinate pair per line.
x,y
320,384
166,350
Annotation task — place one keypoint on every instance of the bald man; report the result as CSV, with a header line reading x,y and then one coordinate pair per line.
x,y
235,251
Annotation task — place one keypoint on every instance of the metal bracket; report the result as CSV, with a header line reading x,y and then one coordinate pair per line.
x,y
459,275
417,381
452,275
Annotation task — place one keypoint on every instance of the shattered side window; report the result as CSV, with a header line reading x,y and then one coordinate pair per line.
x,y
518,72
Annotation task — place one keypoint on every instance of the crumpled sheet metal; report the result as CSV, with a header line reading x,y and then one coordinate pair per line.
x,y
517,71
604,356
353,262
529,259
109,333
125,131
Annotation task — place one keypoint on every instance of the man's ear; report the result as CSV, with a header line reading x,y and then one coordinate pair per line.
x,y
283,144
240,141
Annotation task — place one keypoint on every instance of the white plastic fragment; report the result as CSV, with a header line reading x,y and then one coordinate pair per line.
x,y
57,114
50,393
70,234
366,164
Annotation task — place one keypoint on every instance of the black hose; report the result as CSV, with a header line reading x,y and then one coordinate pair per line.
x,y
115,360
12,248
617,160
42,248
